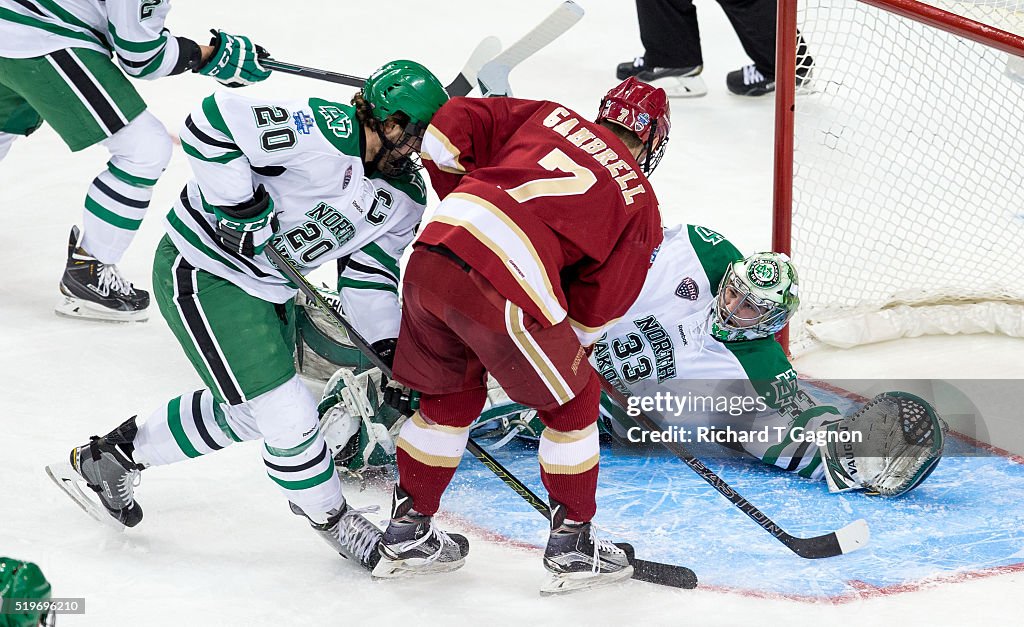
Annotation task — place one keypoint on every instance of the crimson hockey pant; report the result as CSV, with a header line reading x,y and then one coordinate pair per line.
x,y
455,329
671,35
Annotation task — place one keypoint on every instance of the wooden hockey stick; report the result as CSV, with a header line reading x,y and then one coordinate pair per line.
x,y
653,572
850,538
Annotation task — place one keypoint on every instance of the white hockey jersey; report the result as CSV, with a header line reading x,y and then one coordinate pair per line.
x,y
663,344
132,31
308,156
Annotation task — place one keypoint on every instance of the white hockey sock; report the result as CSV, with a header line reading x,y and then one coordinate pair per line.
x,y
188,426
118,198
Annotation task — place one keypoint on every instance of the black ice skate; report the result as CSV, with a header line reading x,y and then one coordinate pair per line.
x,y
678,82
94,290
749,81
412,545
577,559
106,467
349,533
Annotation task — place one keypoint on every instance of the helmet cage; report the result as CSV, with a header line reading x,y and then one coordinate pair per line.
x,y
401,157
770,319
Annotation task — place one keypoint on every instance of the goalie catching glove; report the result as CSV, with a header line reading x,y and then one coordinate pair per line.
x,y
900,443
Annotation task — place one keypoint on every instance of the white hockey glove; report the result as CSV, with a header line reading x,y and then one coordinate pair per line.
x,y
888,447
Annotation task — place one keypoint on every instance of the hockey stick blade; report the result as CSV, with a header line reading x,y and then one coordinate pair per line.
x,y
653,572
656,572
461,85
493,76
466,80
849,538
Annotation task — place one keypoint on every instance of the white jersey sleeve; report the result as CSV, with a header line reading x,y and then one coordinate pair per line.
x,y
141,44
132,31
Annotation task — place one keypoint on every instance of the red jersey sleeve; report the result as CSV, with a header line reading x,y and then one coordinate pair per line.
x,y
466,134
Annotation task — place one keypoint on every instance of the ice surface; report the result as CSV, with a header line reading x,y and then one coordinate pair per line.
x,y
218,545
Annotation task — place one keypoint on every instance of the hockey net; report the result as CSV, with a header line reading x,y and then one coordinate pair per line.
x,y
900,168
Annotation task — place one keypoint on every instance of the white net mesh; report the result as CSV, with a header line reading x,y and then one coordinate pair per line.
x,y
908,187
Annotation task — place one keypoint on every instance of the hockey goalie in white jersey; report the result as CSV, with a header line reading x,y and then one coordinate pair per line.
x,y
320,181
702,328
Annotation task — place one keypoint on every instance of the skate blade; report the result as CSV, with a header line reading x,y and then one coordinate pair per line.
x,y
70,482
402,569
567,583
71,307
682,86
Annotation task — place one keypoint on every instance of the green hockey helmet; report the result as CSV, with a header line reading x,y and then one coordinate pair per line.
x,y
23,581
404,87
407,93
756,298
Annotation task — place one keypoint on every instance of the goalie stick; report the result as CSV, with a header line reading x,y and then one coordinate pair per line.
x,y
461,85
850,538
653,572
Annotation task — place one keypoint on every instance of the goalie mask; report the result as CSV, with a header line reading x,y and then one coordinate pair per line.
x,y
643,109
406,93
756,298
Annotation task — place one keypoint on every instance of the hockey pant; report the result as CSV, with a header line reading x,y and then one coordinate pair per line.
x,y
455,329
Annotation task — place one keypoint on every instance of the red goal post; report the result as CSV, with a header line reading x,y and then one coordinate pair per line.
x,y
899,167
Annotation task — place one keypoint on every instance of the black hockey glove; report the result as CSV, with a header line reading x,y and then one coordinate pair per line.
x,y
394,394
246,228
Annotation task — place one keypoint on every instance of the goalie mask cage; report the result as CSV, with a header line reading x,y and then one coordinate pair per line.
x,y
899,167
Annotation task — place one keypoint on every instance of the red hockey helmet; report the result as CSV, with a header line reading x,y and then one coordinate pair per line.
x,y
643,109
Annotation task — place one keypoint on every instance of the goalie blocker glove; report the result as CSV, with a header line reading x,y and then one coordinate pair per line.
x,y
235,61
888,447
247,227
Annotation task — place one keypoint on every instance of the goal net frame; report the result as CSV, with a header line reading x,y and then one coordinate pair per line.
x,y
896,319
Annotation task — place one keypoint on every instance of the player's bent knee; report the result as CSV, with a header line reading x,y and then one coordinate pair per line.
x,y
143,148
458,409
286,415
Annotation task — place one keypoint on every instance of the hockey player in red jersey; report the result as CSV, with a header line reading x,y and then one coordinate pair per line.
x,y
543,237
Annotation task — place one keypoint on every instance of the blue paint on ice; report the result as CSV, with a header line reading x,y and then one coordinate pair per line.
x,y
969,515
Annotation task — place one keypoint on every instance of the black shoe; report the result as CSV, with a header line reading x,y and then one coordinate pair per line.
x,y
95,290
749,81
577,559
412,545
629,68
678,82
106,466
349,533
